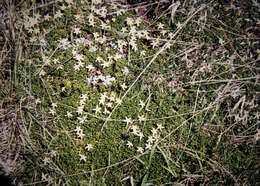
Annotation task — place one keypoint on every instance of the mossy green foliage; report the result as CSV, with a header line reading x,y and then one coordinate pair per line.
x,y
180,91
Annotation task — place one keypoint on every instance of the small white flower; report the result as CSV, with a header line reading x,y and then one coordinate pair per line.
x,y
142,53
52,111
160,26
69,115
141,135
154,131
140,149
80,109
129,21
82,120
160,127
89,147
125,71
106,111
129,144
81,135
76,30
123,86
118,101
128,120
82,158
148,146
142,104
78,129
109,104
93,49
97,109
150,139
141,118
134,128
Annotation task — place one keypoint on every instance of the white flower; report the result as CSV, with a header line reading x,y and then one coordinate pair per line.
x,y
97,109
64,43
76,30
129,144
160,26
82,158
90,67
141,135
108,80
142,53
135,129
58,14
125,71
82,120
80,135
142,104
93,49
78,129
105,64
155,43
106,111
124,30
140,149
141,118
109,104
76,67
150,139
118,101
123,86
117,56
154,131
101,101
80,109
89,147
160,127
138,21
128,120
54,105
148,146
52,111
129,21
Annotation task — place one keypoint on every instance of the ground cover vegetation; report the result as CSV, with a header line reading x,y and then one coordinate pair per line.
x,y
108,92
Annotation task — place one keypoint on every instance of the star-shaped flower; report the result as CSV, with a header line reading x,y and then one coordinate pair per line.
x,y
142,104
97,109
81,135
142,53
160,127
129,144
78,129
150,139
134,128
89,147
69,115
109,104
123,86
141,118
141,135
52,111
80,109
160,26
118,101
148,146
128,120
154,131
140,149
82,158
